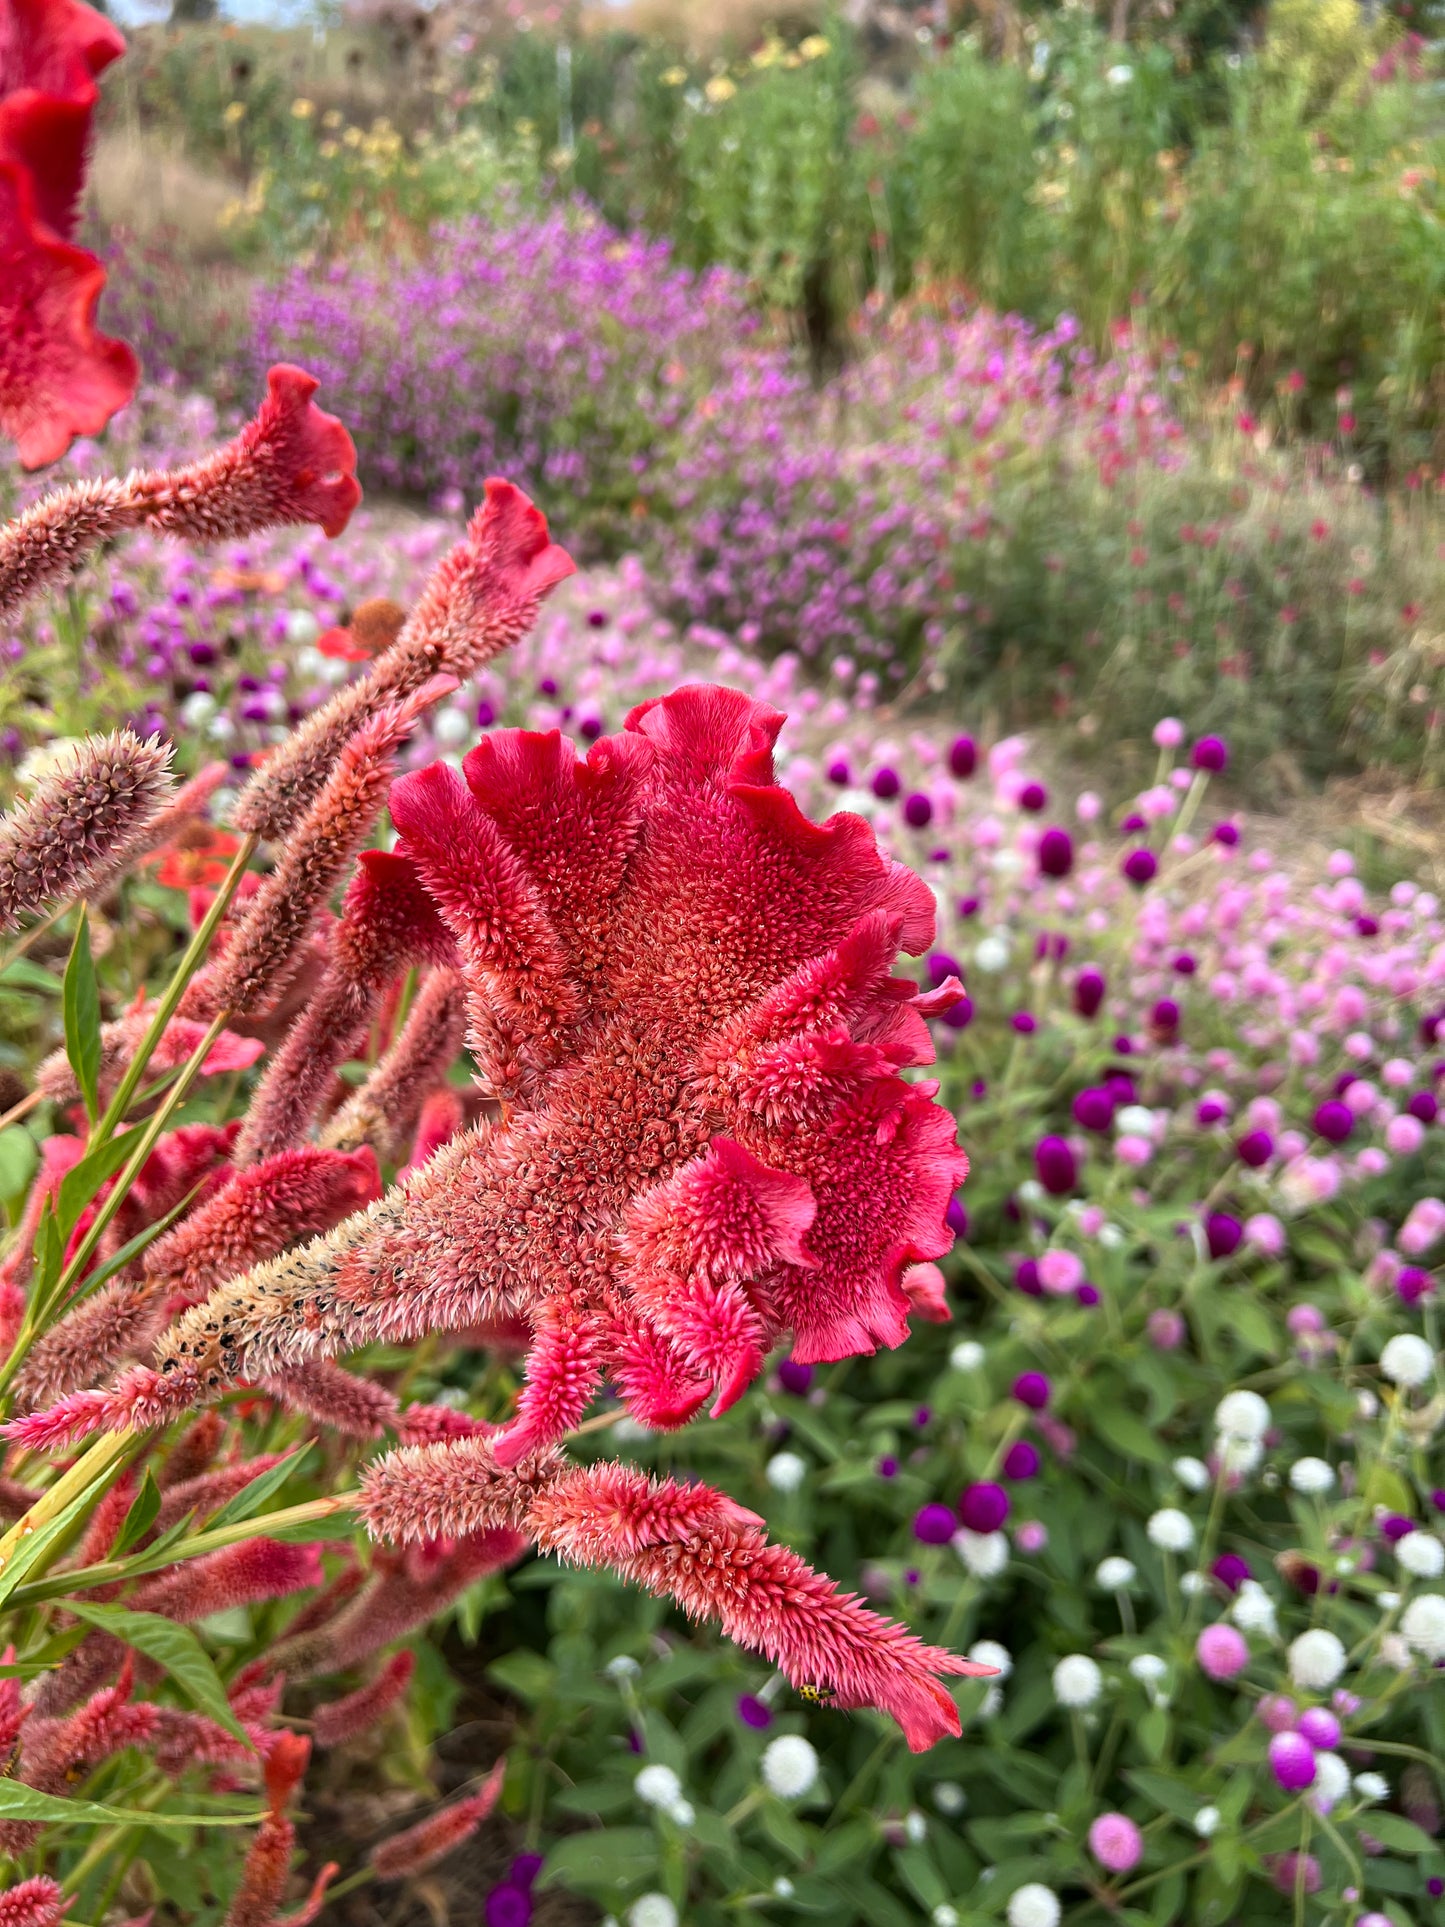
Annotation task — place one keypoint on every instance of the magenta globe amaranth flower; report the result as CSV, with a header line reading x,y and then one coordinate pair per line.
x,y
963,756
1032,1389
794,1377
1027,1279
1255,1149
956,1217
838,772
1210,754
917,810
752,1712
1320,1727
1141,867
1056,853
959,1014
1223,1234
1056,1165
983,1507
1334,1121
1221,1651
507,1905
1225,834
1292,1761
1089,988
1021,1461
1412,1284
941,965
1164,1021
1033,797
1093,1108
1424,1106
934,1524
1116,1842
886,784
1231,1570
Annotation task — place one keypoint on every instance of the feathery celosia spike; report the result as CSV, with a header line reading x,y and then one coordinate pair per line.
x,y
206,1492
13,1713
385,1108
430,1840
81,823
54,1751
178,1042
480,599
262,956
446,1490
34,1903
262,1886
290,463
388,923
442,1115
235,1576
262,1211
58,1155
564,1370
88,1343
358,1408
337,1721
193,1453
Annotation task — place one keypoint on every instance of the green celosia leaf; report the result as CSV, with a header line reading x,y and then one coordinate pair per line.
x,y
141,1517
18,1158
174,1647
81,1003
252,1498
21,1802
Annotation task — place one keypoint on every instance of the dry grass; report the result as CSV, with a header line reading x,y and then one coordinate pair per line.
x,y
706,27
156,194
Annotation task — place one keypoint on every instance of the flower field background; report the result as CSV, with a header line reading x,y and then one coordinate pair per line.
x,y
1047,426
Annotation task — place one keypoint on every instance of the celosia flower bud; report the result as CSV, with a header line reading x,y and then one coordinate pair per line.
x,y
292,463
262,1887
340,1720
430,1840
81,824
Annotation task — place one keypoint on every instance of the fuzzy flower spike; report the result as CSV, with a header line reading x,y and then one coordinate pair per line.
x,y
682,992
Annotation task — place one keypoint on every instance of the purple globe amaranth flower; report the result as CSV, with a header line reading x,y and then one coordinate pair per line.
x,y
1367,927
1021,1461
1056,1165
1024,1023
941,965
885,784
1209,1112
1412,1284
1226,834
1424,1106
524,1870
1320,1727
968,906
1184,965
1293,1871
1223,1234
1056,853
917,810
1133,823
507,1905
956,1217
1255,1148
1231,1570
1089,989
1088,1295
1033,797
795,1377
1093,1108
838,772
1292,1761
1033,1390
983,1507
1141,867
959,1014
1210,753
1334,1121
1394,1527
888,1466
752,1711
934,1524
1164,1020
963,756
1027,1279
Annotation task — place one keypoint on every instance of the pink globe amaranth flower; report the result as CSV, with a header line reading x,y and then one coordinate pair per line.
x,y
983,1507
1166,1329
1057,1167
1404,1135
1320,1727
1221,1651
1116,1842
1278,1712
1265,1233
1061,1271
1032,1536
1168,732
1291,1871
1292,1761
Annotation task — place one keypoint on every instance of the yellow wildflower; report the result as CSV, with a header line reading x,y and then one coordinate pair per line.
x,y
331,120
719,89
815,46
302,109
674,77
235,110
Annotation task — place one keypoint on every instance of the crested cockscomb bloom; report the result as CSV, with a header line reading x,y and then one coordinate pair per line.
x,y
58,376
290,463
34,1903
339,1720
388,923
682,990
81,823
266,948
424,1844
482,598
262,1888
385,1109
682,1542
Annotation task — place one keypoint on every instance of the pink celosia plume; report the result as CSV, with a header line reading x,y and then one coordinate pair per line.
x,y
258,1898
388,1106
429,1840
34,1903
337,1721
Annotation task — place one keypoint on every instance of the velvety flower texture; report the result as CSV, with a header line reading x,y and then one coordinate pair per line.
x,y
58,377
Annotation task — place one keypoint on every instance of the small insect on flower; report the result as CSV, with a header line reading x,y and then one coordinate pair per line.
x,y
816,1695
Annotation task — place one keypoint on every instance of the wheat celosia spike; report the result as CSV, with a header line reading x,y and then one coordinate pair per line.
x,y
290,463
480,599
430,1840
52,1751
262,1887
81,823
265,949
34,1903
388,923
337,1721
235,1576
357,1408
384,1110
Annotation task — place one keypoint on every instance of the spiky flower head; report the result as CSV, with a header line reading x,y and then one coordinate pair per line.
x,y
81,823
424,1844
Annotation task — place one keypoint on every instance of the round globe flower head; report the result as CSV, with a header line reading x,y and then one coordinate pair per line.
x,y
1116,1843
1021,1461
959,1014
1027,1279
917,810
1032,1389
653,1910
1312,1477
1166,1329
885,784
949,1797
1255,1149
1055,853
507,1905
1278,1713
985,1554
1412,1284
1231,1570
967,1356
983,1507
1374,1786
1033,1905
1056,1165
1408,1361
1421,1555
1206,1822
838,772
1226,835
1292,1761
1242,1415
1033,797
1168,732
752,1712
789,1766
1116,1574
1170,1530
1221,1651
1093,1108
1140,867
794,1377
1192,1473
1331,1782
944,1916
935,1524
1316,1660
963,756
1077,1681
1320,1727
658,1786
1164,1020
956,1217
1089,991
1061,1271
1333,1121
785,1471
1210,754
1223,1234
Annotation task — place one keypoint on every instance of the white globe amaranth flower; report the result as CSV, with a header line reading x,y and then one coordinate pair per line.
x,y
1331,1781
991,955
1372,1786
1134,1120
1078,1681
451,727
1170,1530
967,1356
1206,1822
1253,1610
1408,1361
1034,1905
949,1797
1148,1668
1387,1601
1116,1574
1031,1192
1193,1583
1192,1474
988,1652
1112,1237
302,628
944,1916
658,1786
1241,1415
623,1667
984,1553
785,1471
915,1826
783,1888
1312,1477
1421,1554
682,1813
1241,1456
1316,1659
653,1910
789,1767
627,1431
1423,1625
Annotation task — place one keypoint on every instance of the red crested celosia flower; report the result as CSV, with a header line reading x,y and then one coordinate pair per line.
x,y
429,1840
34,1903
291,463
58,377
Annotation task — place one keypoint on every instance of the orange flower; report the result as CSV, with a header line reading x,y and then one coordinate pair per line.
x,y
200,854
